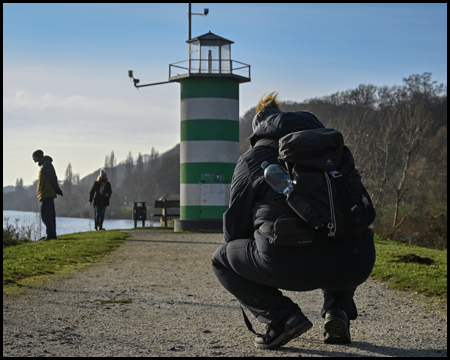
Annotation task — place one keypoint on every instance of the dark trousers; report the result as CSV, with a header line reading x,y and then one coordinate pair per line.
x,y
254,271
48,215
99,215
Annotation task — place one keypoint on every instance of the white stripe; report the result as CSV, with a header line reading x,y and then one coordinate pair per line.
x,y
204,194
209,151
209,108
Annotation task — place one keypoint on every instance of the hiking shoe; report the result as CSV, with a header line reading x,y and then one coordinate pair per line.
x,y
290,328
337,327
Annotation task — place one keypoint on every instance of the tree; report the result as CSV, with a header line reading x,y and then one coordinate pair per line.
x,y
138,179
68,180
129,163
110,167
245,129
19,185
127,181
168,179
416,125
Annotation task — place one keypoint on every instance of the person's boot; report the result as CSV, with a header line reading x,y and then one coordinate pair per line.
x,y
278,335
337,327
96,225
101,225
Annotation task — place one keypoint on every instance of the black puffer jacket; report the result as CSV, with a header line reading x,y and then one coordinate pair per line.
x,y
248,210
101,193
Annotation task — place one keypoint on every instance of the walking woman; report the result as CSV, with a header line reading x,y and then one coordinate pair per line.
x,y
100,193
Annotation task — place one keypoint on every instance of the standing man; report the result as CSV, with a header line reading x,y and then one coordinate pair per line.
x,y
47,188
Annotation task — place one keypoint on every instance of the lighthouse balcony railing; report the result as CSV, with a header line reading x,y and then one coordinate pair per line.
x,y
209,67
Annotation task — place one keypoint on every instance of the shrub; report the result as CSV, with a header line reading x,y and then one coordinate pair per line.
x,y
15,234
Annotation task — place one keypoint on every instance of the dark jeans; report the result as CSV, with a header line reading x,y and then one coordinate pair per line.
x,y
49,217
99,215
254,271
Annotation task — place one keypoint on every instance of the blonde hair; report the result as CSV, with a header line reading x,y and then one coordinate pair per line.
x,y
271,101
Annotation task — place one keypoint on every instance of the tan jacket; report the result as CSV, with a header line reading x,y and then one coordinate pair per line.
x,y
44,188
47,186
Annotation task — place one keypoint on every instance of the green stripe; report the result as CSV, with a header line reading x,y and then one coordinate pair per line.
x,y
193,87
202,212
192,130
191,173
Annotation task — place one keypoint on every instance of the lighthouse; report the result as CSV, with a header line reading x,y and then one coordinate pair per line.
x,y
209,129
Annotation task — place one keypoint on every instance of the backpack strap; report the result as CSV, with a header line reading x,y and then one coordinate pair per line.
x,y
273,143
248,323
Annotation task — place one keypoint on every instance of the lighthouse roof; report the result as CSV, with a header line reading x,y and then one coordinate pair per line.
x,y
210,36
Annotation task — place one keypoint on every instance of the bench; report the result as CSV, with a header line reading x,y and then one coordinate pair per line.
x,y
164,205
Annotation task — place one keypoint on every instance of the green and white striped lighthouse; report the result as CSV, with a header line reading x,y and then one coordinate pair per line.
x,y
209,143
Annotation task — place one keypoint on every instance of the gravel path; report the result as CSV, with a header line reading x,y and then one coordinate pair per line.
x,y
178,308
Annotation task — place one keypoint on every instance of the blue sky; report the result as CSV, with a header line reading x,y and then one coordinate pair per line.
x,y
66,89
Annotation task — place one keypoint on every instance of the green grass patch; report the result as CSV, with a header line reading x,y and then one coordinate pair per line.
x,y
117,301
28,261
427,280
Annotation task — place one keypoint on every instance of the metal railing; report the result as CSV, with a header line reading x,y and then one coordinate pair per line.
x,y
209,67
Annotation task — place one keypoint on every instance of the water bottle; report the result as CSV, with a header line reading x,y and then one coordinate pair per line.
x,y
279,179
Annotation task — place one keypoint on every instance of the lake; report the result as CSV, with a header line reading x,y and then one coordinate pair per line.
x,y
67,225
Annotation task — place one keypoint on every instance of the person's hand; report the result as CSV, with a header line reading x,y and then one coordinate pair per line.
x,y
90,202
59,192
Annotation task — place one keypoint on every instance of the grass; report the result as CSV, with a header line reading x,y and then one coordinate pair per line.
x,y
427,280
28,262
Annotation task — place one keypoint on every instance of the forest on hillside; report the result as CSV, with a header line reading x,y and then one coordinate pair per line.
x,y
398,137
397,134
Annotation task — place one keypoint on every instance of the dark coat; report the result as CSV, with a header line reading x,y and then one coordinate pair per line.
x,y
100,193
248,211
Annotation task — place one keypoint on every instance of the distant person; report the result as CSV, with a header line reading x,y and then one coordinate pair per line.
x,y
100,193
47,189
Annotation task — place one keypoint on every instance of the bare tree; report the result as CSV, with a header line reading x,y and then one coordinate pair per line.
x,y
416,125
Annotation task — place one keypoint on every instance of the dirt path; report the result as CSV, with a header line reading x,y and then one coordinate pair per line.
x,y
178,308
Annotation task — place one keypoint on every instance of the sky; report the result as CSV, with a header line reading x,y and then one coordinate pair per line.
x,y
66,88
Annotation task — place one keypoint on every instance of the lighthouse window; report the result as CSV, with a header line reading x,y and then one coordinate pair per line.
x,y
210,59
194,56
225,57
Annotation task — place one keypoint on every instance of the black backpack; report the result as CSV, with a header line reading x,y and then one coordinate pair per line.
x,y
326,182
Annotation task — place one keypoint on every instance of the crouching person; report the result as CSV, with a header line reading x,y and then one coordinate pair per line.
x,y
254,269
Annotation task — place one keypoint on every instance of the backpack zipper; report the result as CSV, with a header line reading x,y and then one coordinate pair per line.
x,y
332,224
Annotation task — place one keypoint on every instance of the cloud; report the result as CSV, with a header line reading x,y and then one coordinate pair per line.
x,y
72,96
79,114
